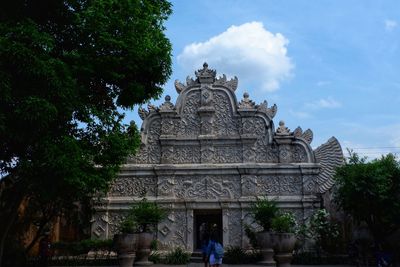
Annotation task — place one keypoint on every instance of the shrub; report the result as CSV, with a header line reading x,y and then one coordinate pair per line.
x,y
325,232
155,257
177,256
82,247
236,255
146,215
284,223
264,211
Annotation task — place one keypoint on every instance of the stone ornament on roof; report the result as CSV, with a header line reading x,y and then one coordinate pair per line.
x,y
167,106
282,129
246,102
205,75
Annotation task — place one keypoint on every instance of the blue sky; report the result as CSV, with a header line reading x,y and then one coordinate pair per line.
x,y
331,66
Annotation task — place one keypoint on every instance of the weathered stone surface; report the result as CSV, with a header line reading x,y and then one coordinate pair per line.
x,y
209,152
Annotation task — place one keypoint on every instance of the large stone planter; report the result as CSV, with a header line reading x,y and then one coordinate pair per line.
x,y
143,251
126,245
284,244
264,240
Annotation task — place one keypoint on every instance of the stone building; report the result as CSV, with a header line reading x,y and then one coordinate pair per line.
x,y
208,157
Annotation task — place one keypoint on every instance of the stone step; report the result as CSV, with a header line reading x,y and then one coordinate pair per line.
x,y
197,256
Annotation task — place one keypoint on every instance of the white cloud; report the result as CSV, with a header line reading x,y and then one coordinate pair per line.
x,y
324,103
248,51
390,25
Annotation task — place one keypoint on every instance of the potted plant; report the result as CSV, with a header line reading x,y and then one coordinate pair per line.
x,y
146,215
284,227
264,211
126,242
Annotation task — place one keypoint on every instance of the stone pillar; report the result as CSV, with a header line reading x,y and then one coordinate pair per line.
x,y
225,227
189,229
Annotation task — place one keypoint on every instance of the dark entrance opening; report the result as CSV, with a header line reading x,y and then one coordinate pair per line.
x,y
204,221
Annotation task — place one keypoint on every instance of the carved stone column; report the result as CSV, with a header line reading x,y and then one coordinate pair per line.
x,y
189,229
225,226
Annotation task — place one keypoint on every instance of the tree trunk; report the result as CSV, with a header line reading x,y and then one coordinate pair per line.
x,y
8,221
11,198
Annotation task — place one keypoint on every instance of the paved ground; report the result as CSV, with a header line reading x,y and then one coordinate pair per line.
x,y
195,264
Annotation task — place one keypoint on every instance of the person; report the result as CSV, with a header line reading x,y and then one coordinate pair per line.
x,y
214,250
204,239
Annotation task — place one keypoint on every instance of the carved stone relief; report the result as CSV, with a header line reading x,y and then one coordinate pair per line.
x,y
227,154
189,125
114,220
224,122
141,156
99,225
165,186
207,154
253,125
299,154
207,187
186,154
253,185
134,186
153,143
168,126
172,232
234,227
310,185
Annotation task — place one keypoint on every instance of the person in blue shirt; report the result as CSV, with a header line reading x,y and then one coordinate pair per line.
x,y
214,258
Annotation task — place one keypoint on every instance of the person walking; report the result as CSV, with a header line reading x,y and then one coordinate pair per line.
x,y
215,250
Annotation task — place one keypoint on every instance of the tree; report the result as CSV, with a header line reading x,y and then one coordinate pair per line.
x,y
68,70
370,193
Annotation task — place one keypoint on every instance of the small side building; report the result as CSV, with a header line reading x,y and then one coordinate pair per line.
x,y
209,156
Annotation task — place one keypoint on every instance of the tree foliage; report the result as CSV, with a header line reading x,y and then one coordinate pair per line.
x,y
68,69
370,192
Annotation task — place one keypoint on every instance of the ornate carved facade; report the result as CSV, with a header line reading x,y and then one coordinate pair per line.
x,y
210,152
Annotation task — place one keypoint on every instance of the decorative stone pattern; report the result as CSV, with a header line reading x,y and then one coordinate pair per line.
x,y
114,220
165,186
153,144
173,230
186,154
227,154
168,126
134,187
207,187
298,154
100,225
235,227
189,126
272,185
224,122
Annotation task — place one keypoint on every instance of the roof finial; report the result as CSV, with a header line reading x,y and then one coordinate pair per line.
x,y
205,75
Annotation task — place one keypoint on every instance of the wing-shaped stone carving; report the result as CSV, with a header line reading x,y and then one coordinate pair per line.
x,y
179,86
298,132
330,156
308,136
143,113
